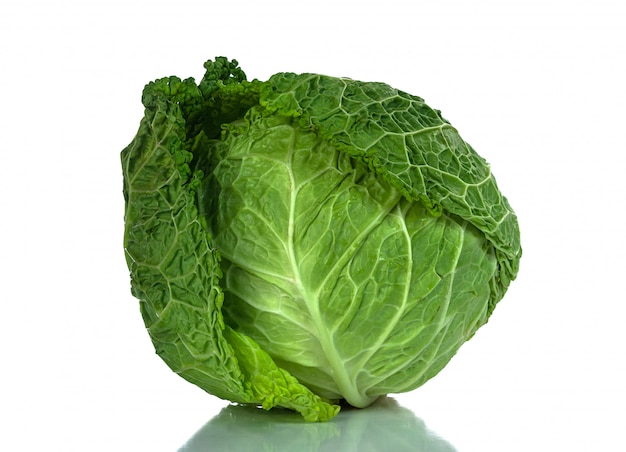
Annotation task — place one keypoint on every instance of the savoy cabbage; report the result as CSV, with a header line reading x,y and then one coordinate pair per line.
x,y
309,239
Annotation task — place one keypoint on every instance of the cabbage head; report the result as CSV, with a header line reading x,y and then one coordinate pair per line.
x,y
308,240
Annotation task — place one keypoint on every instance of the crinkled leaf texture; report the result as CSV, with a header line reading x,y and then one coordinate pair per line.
x,y
309,239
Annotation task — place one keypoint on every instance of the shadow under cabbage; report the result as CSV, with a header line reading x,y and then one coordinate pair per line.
x,y
383,426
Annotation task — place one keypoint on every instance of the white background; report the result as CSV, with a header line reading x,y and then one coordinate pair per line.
x,y
537,87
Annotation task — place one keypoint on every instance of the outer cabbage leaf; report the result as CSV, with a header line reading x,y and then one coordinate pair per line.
x,y
175,268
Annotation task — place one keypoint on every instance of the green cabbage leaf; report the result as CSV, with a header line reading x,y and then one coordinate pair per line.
x,y
309,240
